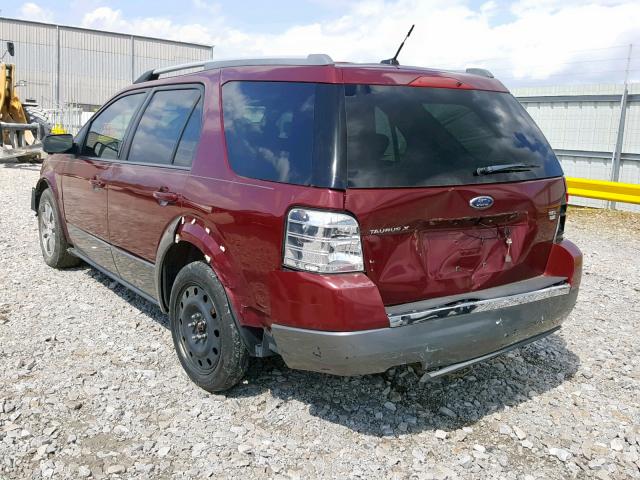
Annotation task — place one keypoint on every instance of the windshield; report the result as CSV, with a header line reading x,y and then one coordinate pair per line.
x,y
401,136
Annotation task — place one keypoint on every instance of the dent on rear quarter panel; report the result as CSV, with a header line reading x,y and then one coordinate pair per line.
x,y
247,220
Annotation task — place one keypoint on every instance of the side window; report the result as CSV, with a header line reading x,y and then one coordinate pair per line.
x,y
189,141
269,129
104,138
161,125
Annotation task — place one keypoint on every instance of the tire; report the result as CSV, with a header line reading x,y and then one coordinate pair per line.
x,y
39,116
53,243
205,335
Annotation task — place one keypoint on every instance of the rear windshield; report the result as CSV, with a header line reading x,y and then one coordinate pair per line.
x,y
409,136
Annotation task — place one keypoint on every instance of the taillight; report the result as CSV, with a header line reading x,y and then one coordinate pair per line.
x,y
562,217
322,241
440,82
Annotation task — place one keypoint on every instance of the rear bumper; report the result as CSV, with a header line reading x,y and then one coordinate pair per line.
x,y
454,339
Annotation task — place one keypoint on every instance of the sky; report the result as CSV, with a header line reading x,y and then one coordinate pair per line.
x,y
523,42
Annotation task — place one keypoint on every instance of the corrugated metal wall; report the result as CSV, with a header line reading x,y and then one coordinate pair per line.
x,y
156,53
581,123
35,58
93,64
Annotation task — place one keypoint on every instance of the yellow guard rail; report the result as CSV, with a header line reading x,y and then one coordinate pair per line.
x,y
603,190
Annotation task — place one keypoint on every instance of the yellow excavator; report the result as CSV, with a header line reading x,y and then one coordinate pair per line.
x,y
22,125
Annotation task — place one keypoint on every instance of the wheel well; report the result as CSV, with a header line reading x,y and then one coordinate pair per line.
x,y
178,256
40,187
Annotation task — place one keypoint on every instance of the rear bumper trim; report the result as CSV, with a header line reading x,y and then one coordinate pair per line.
x,y
462,307
452,341
467,363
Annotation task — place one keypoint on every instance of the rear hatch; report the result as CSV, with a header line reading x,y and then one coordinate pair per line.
x,y
455,190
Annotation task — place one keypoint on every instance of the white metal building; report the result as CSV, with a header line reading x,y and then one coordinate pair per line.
x,y
581,123
61,66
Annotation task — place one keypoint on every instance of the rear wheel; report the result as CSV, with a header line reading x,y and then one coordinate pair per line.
x,y
204,332
52,240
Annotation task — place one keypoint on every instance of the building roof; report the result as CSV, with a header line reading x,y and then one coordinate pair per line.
x,y
93,30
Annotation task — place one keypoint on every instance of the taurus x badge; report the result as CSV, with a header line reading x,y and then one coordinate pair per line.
x,y
481,203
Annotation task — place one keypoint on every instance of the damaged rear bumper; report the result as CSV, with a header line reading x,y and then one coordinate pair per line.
x,y
442,338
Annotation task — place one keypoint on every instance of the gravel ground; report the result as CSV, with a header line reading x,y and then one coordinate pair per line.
x,y
90,386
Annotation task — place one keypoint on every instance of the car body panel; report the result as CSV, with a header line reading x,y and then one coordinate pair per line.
x,y
566,259
427,242
85,207
136,218
337,303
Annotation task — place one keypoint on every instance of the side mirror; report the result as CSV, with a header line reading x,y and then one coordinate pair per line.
x,y
11,48
58,143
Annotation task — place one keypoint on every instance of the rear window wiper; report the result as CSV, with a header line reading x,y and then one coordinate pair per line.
x,y
510,167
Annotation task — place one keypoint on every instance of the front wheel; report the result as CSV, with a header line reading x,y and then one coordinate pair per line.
x,y
52,240
204,332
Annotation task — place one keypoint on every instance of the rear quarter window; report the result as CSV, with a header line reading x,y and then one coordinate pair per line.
x,y
269,129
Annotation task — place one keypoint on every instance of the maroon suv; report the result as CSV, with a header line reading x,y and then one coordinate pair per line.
x,y
347,217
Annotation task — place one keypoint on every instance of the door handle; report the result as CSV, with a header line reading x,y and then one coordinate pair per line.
x,y
97,183
165,198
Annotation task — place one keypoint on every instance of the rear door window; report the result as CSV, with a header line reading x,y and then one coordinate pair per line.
x,y
161,126
269,130
400,136
106,133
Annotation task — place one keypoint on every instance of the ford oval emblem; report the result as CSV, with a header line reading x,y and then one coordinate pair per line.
x,y
481,203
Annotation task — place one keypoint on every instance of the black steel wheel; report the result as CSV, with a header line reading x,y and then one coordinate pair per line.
x,y
205,335
199,329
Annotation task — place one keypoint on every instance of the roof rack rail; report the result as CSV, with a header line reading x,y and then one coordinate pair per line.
x,y
483,72
318,59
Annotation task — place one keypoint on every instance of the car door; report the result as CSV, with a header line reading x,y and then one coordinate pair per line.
x,y
84,179
145,186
